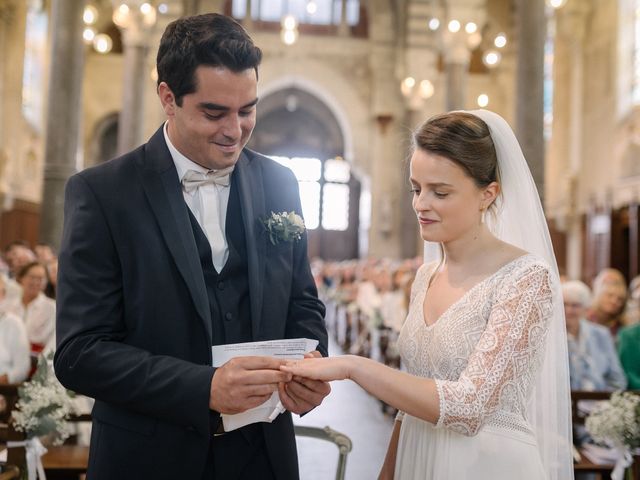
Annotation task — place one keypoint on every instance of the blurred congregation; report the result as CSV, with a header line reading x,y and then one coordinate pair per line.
x,y
341,86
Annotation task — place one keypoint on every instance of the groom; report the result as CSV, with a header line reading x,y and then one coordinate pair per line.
x,y
164,254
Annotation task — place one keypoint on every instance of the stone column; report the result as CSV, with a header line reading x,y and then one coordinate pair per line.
x,y
572,29
343,28
248,18
135,41
6,17
190,7
385,235
63,113
531,28
457,50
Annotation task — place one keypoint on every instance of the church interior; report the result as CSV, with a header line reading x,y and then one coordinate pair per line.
x,y
342,85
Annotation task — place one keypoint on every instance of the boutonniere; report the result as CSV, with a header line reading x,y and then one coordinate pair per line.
x,y
284,227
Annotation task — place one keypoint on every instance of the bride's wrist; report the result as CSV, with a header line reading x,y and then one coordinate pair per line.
x,y
352,366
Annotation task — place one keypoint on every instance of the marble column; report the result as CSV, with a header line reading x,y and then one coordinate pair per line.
x,y
135,42
531,28
63,113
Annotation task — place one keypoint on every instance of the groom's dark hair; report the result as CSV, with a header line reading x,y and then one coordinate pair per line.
x,y
211,39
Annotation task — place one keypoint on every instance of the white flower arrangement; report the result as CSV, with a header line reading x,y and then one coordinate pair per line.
x,y
284,227
44,406
616,421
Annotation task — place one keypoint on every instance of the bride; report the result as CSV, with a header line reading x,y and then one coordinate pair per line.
x,y
486,392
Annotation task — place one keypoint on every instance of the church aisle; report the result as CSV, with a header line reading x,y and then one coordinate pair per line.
x,y
352,411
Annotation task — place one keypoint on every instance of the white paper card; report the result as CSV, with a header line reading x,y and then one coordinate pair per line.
x,y
292,349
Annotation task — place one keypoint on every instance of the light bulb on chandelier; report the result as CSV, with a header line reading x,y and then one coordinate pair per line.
x,y
556,3
90,15
491,58
312,7
500,41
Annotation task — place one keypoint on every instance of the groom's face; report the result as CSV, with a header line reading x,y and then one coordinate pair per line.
x,y
214,123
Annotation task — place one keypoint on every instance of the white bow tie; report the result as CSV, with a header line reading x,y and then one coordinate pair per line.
x,y
192,179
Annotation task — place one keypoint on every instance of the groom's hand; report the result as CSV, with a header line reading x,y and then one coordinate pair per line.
x,y
301,395
245,382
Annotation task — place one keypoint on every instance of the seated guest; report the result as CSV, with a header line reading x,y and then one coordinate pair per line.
x,y
52,278
609,300
14,346
633,303
44,253
17,254
629,351
593,361
36,310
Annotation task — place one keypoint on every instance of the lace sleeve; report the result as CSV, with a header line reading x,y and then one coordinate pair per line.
x,y
507,355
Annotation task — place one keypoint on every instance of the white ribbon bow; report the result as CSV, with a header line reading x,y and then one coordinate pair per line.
x,y
34,450
192,179
624,461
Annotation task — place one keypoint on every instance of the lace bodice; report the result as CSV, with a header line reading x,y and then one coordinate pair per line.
x,y
485,350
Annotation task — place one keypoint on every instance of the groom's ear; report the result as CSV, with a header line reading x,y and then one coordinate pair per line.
x,y
167,98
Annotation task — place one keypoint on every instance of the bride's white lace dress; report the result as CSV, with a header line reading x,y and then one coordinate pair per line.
x,y
484,353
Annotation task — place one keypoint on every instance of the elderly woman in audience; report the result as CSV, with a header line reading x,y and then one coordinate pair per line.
x,y
593,361
36,310
14,346
609,300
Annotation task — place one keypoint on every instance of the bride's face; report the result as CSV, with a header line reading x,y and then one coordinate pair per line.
x,y
445,198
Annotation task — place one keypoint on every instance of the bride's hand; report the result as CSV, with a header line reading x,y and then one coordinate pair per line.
x,y
325,369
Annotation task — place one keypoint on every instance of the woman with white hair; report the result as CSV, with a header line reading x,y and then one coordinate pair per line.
x,y
593,361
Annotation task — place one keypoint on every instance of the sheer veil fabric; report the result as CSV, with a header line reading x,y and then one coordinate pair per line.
x,y
520,221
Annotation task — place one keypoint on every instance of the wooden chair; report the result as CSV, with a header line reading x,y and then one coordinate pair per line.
x,y
8,399
328,434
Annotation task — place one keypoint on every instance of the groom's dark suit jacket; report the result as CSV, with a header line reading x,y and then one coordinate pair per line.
x,y
134,326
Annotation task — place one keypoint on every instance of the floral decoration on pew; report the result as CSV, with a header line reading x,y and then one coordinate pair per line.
x,y
42,411
616,422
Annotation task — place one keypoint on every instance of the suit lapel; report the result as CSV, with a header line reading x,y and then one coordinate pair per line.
x,y
248,172
162,188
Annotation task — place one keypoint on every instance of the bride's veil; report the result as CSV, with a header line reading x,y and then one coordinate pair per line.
x,y
520,221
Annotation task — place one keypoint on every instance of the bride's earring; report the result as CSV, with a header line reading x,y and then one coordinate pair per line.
x,y
483,211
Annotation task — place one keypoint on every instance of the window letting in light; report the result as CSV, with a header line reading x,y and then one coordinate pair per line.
x,y
318,180
323,12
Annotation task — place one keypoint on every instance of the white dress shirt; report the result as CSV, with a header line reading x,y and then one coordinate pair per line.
x,y
15,360
213,195
39,317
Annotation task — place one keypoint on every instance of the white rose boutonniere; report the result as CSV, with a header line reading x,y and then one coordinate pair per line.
x,y
284,227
